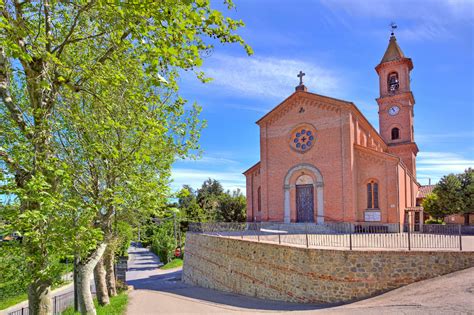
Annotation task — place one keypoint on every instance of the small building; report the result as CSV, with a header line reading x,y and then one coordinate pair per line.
x,y
321,159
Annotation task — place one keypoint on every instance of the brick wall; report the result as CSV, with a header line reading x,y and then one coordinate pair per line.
x,y
308,275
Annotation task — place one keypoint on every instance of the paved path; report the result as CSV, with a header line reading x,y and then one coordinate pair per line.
x,y
162,292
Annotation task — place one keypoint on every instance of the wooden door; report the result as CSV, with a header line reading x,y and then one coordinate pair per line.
x,y
305,203
417,222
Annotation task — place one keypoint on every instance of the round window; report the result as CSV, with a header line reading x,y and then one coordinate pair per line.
x,y
303,138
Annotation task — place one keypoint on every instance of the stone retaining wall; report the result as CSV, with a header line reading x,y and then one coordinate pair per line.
x,y
304,275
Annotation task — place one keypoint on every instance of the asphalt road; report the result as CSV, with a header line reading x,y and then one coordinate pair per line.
x,y
162,292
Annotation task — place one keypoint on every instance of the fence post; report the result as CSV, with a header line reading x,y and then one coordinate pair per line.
x,y
460,237
279,234
306,232
350,237
55,305
259,227
409,239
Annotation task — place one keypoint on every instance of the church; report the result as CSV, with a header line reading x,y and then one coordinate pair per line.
x,y
322,161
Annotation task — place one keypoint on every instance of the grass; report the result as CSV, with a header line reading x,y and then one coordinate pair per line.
x,y
175,263
21,296
12,292
12,300
117,306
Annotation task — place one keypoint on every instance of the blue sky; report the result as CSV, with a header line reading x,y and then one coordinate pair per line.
x,y
337,43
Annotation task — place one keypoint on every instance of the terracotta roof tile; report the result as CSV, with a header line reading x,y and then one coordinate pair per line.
x,y
393,51
425,190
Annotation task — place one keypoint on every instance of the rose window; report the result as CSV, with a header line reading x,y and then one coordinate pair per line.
x,y
303,139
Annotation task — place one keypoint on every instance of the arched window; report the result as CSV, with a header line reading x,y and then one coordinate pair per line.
x,y
392,82
259,199
395,133
372,195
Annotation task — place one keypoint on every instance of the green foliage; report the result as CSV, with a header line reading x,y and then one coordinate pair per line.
x,y
454,194
432,207
8,299
90,116
14,276
13,279
117,306
187,203
467,190
434,221
208,197
125,236
211,203
163,242
175,263
232,207
449,195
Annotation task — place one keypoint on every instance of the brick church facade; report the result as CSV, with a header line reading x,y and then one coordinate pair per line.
x,y
322,161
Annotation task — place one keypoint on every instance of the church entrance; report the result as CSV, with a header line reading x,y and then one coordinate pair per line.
x,y
305,203
304,194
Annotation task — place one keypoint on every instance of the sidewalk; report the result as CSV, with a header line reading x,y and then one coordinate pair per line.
x,y
162,292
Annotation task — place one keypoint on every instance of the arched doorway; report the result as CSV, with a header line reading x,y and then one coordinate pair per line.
x,y
304,199
298,196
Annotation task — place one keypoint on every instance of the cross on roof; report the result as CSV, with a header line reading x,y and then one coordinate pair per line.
x,y
300,75
393,26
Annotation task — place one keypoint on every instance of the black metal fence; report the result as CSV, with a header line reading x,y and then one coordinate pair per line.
x,y
339,235
60,304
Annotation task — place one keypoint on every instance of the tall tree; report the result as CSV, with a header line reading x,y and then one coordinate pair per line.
x,y
467,193
449,194
50,49
208,197
122,142
232,207
454,194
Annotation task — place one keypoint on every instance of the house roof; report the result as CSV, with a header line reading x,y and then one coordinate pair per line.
x,y
393,51
425,190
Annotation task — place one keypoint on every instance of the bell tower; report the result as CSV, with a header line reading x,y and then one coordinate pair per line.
x,y
396,103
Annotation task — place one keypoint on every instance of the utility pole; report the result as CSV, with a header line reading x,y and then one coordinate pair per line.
x,y
174,224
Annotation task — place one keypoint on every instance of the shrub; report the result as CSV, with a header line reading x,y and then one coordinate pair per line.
x,y
434,221
163,244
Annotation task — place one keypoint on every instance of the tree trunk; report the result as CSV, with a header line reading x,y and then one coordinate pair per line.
x,y
39,298
100,283
109,260
84,277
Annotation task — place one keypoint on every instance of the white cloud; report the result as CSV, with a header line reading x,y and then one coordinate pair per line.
x,y
187,176
444,137
435,165
209,160
425,20
267,76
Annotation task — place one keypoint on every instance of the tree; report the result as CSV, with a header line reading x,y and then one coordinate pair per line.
x,y
467,193
208,197
52,49
188,205
232,207
454,194
432,207
122,150
448,190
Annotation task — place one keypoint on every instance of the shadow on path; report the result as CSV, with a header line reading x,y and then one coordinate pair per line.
x,y
144,274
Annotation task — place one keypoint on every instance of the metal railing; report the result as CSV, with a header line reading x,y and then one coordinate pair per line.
x,y
60,304
349,235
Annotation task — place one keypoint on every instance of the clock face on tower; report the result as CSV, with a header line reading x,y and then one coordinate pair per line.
x,y
392,111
